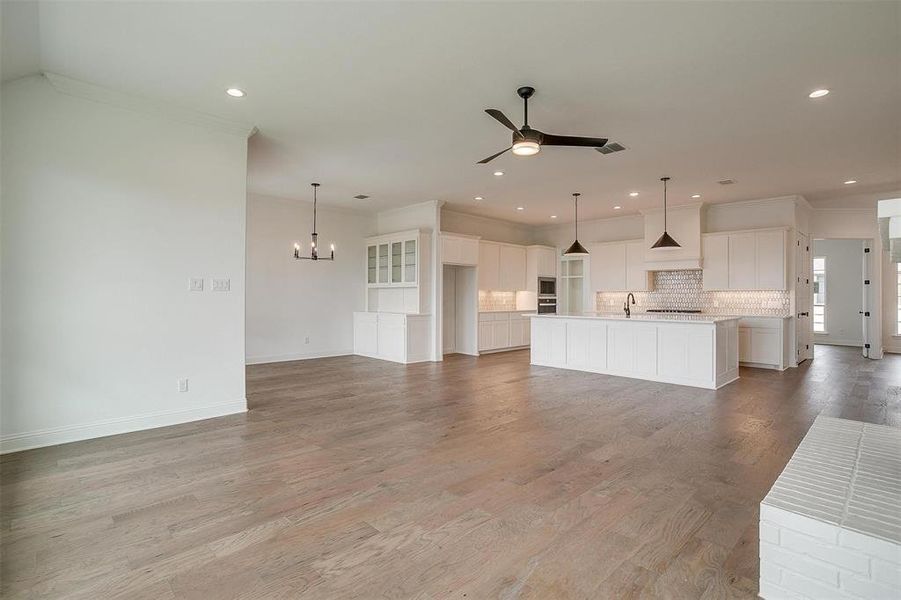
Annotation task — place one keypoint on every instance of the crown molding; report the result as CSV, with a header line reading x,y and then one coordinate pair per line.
x,y
102,95
692,206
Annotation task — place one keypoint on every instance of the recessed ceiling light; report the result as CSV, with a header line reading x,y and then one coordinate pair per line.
x,y
818,93
617,207
498,173
235,92
479,198
633,194
553,216
696,195
850,181
520,208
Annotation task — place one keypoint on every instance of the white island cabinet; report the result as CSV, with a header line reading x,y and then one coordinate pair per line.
x,y
695,350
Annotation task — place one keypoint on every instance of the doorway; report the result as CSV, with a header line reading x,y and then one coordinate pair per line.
x,y
841,303
460,310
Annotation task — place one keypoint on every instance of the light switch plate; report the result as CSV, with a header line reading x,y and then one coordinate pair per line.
x,y
183,384
221,285
195,284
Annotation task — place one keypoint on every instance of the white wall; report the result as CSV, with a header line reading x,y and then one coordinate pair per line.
x,y
290,301
494,230
844,290
630,227
106,214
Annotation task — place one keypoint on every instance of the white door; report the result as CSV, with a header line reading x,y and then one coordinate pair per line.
x,y
804,300
866,301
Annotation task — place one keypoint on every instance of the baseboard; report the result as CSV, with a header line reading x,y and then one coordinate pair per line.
x,y
259,360
74,433
829,342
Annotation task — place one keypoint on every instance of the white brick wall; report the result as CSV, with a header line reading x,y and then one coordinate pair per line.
x,y
831,525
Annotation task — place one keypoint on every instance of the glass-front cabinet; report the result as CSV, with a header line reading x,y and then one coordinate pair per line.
x,y
393,260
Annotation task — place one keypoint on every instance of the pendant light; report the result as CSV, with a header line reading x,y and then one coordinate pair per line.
x,y
576,249
666,240
314,238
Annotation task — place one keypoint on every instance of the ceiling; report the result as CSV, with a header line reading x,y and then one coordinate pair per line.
x,y
387,99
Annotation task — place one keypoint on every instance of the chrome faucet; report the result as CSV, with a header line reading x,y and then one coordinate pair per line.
x,y
628,312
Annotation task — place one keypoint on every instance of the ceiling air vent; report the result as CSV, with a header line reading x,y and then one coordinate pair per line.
x,y
726,181
361,196
611,147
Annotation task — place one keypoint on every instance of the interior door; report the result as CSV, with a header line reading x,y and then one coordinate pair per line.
x,y
866,303
803,300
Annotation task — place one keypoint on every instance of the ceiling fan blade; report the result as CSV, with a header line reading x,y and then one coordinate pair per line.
x,y
571,140
503,119
493,156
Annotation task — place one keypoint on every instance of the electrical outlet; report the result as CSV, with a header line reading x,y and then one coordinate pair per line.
x,y
183,384
306,340
221,285
195,284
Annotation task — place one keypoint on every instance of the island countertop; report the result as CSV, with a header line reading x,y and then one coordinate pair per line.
x,y
645,317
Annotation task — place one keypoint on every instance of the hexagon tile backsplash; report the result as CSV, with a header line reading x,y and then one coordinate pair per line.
x,y
683,290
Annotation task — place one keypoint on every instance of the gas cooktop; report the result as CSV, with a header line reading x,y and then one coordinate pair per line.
x,y
691,311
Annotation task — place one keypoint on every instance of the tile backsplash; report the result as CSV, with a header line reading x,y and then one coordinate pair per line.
x,y
683,290
491,301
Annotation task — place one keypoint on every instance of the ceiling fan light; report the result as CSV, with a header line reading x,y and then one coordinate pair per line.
x,y
576,249
666,241
526,148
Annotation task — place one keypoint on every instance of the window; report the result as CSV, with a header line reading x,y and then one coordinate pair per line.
x,y
898,299
819,294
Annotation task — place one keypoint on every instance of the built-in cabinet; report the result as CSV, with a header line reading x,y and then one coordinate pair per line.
x,y
502,267
391,336
764,342
745,260
459,249
397,268
618,267
503,331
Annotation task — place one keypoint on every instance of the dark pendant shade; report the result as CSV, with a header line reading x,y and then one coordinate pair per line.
x,y
576,249
666,241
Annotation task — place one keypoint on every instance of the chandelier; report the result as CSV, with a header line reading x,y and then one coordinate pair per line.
x,y
314,238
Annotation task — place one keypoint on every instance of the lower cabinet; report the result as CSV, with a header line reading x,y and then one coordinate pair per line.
x,y
762,342
392,336
503,331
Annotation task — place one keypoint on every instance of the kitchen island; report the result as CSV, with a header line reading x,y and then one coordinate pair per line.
x,y
695,350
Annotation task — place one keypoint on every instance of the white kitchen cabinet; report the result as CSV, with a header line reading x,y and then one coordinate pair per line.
x,y
684,352
541,261
745,260
771,260
489,266
512,268
742,261
459,249
500,330
395,265
392,336
502,267
763,342
716,262
638,279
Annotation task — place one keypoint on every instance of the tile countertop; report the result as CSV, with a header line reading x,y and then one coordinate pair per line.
x,y
668,317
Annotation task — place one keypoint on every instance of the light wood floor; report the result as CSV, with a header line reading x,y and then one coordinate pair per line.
x,y
475,478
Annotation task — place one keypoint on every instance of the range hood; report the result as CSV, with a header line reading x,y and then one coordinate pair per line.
x,y
684,224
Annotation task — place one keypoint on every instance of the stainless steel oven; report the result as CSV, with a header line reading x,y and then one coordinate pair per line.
x,y
547,286
547,304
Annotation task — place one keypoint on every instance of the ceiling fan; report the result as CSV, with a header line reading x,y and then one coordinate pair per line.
x,y
528,141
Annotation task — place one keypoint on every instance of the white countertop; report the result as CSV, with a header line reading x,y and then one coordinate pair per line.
x,y
653,317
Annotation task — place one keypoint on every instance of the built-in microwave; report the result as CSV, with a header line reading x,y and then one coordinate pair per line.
x,y
547,286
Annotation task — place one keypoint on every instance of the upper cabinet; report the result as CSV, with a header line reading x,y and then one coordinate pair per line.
x,y
745,260
396,264
459,249
618,267
502,267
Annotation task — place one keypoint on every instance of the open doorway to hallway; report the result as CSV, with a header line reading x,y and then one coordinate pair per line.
x,y
841,307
